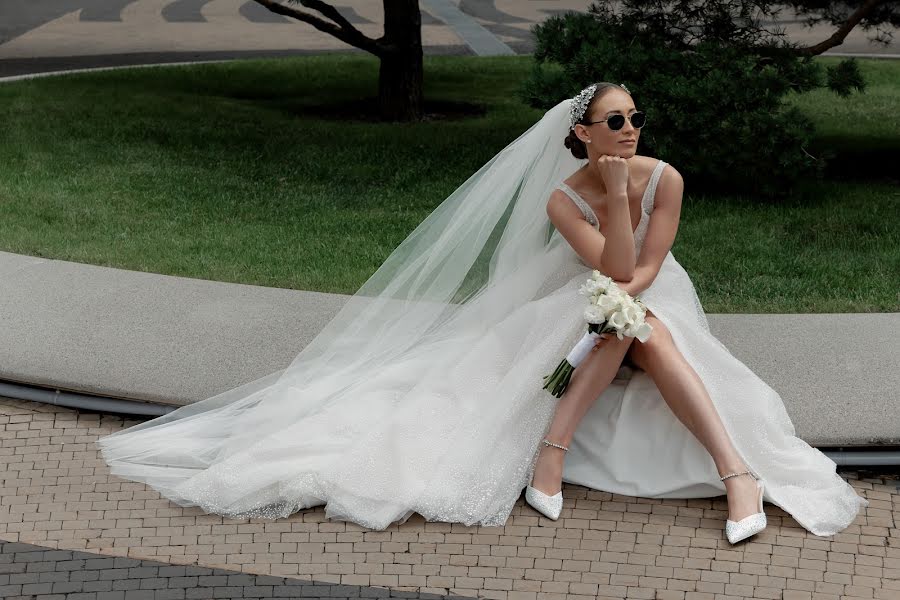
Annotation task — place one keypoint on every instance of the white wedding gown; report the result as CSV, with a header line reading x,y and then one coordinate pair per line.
x,y
457,441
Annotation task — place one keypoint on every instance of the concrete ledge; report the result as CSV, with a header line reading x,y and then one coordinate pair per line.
x,y
175,340
143,336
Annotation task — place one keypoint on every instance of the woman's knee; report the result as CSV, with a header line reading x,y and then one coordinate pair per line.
x,y
613,340
612,344
659,334
660,341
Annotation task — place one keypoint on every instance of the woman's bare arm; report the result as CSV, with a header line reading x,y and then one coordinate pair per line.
x,y
618,257
568,219
660,232
588,243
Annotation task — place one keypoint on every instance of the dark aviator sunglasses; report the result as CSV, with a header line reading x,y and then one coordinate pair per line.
x,y
617,121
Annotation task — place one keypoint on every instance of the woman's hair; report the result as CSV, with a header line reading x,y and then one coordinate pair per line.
x,y
576,146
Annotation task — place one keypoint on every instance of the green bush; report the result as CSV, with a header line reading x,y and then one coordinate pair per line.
x,y
715,110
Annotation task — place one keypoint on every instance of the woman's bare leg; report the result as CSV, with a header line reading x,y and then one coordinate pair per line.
x,y
590,378
684,392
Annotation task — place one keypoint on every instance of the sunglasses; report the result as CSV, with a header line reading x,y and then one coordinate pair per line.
x,y
617,121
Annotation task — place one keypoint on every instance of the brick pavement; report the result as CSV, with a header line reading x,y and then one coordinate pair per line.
x,y
56,493
29,572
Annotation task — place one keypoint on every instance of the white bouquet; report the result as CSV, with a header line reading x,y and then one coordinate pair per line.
x,y
610,309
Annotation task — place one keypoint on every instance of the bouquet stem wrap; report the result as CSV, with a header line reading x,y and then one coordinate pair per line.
x,y
558,381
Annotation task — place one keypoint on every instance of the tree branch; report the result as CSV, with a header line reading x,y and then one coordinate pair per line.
x,y
328,11
837,38
340,28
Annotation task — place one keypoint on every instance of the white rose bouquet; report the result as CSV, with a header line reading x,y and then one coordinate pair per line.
x,y
611,309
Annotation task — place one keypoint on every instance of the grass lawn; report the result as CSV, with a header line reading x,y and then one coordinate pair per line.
x,y
229,172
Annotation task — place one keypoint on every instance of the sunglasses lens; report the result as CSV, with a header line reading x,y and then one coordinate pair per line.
x,y
638,119
616,122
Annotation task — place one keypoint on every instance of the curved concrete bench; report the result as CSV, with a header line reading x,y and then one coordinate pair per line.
x,y
175,340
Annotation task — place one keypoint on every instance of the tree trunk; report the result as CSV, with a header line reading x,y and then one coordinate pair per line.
x,y
400,76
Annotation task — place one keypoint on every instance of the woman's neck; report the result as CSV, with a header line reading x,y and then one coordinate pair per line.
x,y
593,178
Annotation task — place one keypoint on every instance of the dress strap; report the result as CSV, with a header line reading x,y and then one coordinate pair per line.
x,y
650,192
586,209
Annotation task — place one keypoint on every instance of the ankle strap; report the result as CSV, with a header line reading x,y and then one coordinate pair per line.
x,y
723,478
549,443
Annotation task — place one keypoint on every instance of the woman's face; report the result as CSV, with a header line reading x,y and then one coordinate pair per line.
x,y
604,140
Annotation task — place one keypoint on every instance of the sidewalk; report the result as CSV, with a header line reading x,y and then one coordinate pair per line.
x,y
78,533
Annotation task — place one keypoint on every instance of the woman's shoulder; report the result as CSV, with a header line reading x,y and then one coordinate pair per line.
x,y
668,171
649,164
646,164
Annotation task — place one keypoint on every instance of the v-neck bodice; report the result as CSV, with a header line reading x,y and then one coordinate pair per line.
x,y
589,213
647,201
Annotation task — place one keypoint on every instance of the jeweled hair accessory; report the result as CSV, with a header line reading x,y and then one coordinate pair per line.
x,y
580,103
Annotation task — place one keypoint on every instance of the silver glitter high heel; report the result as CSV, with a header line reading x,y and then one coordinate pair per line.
x,y
549,506
736,531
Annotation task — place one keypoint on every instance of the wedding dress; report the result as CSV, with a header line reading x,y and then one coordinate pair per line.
x,y
410,403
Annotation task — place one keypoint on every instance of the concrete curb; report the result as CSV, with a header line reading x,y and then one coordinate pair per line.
x,y
175,340
41,74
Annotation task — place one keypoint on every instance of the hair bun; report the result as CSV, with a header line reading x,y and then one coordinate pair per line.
x,y
575,145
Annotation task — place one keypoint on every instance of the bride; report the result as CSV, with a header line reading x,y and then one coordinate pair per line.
x,y
424,393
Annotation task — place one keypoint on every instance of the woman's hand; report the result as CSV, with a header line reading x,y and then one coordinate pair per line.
x,y
599,341
626,286
614,171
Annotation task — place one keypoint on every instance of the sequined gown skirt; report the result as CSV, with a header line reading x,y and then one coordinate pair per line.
x,y
457,440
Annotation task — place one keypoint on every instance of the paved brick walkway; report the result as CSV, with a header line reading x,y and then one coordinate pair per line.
x,y
34,573
57,495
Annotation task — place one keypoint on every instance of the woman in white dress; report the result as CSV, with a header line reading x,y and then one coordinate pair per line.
x,y
605,130
424,393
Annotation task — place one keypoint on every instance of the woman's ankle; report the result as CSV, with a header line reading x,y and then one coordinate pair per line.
x,y
731,468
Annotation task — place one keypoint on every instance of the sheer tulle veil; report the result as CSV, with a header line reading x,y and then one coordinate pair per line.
x,y
486,250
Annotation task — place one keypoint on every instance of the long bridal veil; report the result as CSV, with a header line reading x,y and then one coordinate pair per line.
x,y
484,252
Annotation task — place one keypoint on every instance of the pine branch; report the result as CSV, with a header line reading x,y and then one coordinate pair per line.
x,y
837,38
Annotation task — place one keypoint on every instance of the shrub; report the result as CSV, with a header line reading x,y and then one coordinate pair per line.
x,y
714,107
